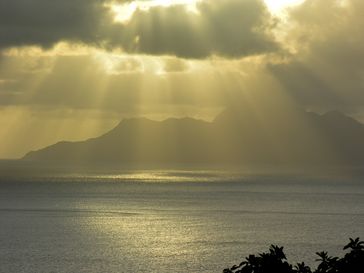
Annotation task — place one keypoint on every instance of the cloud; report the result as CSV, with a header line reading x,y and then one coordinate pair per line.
x,y
44,23
325,69
328,68
175,65
231,28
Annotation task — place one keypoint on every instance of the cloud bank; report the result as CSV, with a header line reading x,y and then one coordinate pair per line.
x,y
231,28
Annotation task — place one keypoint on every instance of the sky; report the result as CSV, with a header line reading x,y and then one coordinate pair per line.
x,y
72,69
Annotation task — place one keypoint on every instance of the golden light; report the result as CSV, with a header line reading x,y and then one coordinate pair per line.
x,y
124,12
278,6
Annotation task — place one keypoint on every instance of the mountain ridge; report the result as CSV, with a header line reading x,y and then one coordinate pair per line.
x,y
233,137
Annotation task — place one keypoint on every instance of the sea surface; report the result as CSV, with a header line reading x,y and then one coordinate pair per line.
x,y
171,221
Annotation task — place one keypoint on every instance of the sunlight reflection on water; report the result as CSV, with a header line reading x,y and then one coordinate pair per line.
x,y
161,176
147,222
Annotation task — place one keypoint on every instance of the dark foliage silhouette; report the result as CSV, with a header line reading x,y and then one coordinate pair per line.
x,y
275,261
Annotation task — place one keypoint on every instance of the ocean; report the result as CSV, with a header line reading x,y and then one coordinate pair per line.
x,y
171,221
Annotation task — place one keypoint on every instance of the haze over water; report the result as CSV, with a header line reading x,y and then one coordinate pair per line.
x,y
163,221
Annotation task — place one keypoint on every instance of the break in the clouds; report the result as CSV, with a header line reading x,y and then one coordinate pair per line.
x,y
230,28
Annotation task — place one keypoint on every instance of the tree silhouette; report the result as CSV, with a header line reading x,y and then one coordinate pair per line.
x,y
275,261
302,268
328,264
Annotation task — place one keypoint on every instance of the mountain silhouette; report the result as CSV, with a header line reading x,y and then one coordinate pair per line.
x,y
272,135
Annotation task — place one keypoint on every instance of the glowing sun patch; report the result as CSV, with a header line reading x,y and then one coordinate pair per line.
x,y
124,12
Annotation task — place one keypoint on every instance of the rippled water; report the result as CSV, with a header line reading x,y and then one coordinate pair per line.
x,y
170,221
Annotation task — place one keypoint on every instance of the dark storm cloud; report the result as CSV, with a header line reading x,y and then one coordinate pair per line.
x,y
44,22
230,28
